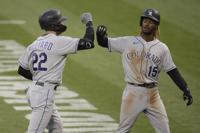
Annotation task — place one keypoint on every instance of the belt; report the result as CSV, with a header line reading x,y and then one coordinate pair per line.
x,y
39,83
42,84
146,85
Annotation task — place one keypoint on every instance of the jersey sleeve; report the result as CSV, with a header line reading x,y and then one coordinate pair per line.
x,y
168,63
67,45
116,44
23,60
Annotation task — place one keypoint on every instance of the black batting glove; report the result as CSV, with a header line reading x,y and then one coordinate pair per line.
x,y
101,31
187,97
101,35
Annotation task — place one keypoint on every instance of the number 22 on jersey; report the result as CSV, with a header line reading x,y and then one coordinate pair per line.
x,y
38,60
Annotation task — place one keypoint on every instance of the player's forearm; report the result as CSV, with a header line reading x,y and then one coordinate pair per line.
x,y
178,79
87,42
89,34
25,73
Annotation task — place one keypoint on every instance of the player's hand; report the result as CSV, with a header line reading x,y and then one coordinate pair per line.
x,y
101,30
86,17
187,97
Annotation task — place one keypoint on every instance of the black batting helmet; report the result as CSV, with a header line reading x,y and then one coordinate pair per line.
x,y
50,19
152,14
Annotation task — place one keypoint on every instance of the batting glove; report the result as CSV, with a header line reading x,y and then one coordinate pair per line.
x,y
101,30
187,97
86,17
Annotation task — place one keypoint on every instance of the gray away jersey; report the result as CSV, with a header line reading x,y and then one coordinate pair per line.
x,y
46,57
142,61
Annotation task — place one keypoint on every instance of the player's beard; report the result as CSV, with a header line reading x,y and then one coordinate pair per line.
x,y
147,31
60,29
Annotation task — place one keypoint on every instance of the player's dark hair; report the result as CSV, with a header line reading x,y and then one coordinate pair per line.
x,y
157,33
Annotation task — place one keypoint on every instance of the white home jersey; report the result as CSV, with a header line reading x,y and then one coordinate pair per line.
x,y
46,56
142,61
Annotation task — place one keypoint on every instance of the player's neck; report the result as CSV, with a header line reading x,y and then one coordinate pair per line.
x,y
49,32
147,38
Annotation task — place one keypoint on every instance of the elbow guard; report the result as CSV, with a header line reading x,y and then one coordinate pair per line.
x,y
85,44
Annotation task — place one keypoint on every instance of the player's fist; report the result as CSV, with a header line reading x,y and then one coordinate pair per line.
x,y
101,30
86,17
187,97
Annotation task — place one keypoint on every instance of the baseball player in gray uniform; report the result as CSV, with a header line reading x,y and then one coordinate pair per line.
x,y
143,58
43,62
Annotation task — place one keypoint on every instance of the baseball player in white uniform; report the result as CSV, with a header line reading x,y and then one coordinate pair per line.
x,y
143,58
43,62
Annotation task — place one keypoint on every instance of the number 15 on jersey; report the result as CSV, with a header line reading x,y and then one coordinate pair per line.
x,y
153,71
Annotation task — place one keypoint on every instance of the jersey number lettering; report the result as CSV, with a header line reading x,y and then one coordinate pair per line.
x,y
153,71
38,60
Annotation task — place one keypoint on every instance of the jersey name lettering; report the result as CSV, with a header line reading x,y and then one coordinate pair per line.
x,y
156,60
45,45
135,54
42,45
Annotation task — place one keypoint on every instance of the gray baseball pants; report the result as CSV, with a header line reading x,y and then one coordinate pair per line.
x,y
136,100
44,113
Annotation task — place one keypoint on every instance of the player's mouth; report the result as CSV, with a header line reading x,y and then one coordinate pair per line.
x,y
145,28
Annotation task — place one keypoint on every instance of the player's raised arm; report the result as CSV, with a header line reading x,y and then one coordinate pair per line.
x,y
87,42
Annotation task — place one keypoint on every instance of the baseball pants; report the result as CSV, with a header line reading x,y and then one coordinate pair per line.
x,y
137,99
44,113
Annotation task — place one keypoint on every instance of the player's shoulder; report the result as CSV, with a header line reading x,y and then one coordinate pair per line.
x,y
122,38
162,44
31,46
53,37
66,39
128,37
60,38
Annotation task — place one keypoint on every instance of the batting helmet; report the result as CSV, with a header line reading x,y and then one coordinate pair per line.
x,y
152,14
51,20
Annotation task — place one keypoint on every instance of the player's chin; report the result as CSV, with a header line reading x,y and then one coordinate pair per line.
x,y
147,32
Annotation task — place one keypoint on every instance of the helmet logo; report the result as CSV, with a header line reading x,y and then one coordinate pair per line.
x,y
150,13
